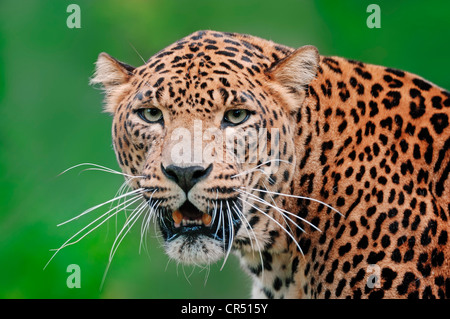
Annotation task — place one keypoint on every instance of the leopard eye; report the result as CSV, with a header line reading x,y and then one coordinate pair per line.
x,y
237,116
150,115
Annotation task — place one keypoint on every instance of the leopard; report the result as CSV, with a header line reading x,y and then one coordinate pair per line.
x,y
348,195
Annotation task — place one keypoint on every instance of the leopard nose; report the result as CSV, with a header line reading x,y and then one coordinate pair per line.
x,y
186,177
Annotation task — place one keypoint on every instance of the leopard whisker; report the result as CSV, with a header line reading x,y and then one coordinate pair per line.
x,y
222,218
244,220
152,219
277,208
188,276
207,272
147,213
282,212
111,171
125,204
142,242
119,192
276,222
99,168
214,212
100,205
219,212
151,212
231,237
133,218
296,196
146,223
256,168
129,223
140,56
215,207
250,171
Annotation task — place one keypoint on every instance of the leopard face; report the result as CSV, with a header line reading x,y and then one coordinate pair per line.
x,y
175,119
342,168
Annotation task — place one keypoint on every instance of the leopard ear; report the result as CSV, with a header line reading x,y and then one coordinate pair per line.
x,y
111,74
296,71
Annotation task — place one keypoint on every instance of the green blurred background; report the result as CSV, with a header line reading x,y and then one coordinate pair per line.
x,y
50,119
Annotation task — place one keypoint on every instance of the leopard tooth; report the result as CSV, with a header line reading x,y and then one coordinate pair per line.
x,y
180,220
177,218
206,219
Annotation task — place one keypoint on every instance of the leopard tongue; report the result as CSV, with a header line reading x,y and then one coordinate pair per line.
x,y
178,218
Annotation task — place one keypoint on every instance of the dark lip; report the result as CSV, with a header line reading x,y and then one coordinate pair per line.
x,y
218,230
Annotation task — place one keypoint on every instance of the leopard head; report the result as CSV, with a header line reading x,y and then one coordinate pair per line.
x,y
201,129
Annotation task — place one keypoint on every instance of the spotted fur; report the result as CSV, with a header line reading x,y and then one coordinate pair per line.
x,y
372,142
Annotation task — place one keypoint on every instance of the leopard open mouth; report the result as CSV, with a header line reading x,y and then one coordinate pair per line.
x,y
218,223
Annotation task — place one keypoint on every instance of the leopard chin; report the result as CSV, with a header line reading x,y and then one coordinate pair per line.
x,y
195,250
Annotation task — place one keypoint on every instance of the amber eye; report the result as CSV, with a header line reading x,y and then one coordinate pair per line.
x,y
237,116
150,115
